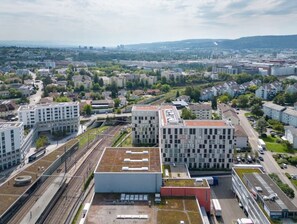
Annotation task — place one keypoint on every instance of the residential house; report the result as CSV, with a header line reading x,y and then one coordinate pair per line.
x,y
273,111
43,72
291,89
184,98
268,91
21,72
26,90
82,80
291,135
241,139
203,111
7,108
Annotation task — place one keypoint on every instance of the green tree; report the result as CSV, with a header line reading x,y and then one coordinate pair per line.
x,y
187,114
257,110
165,88
261,125
117,102
214,104
242,101
224,98
41,142
96,79
177,94
87,109
96,87
101,83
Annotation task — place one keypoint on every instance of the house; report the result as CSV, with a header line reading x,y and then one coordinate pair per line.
x,y
207,94
184,98
153,91
21,72
62,83
241,139
123,101
106,95
26,90
273,110
291,89
7,108
43,72
228,113
203,111
139,92
291,135
268,91
82,80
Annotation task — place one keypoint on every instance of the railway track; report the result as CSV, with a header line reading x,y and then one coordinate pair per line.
x,y
18,217
66,203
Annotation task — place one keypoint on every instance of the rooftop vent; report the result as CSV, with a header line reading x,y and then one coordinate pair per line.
x,y
126,168
135,152
136,160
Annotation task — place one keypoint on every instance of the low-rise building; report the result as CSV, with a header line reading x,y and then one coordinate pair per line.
x,y
289,117
203,111
241,139
268,91
7,108
82,80
129,170
260,196
102,106
26,90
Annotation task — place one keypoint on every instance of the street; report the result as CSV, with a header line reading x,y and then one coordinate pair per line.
x,y
34,99
269,164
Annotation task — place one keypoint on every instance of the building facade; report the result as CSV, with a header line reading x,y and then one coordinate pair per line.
x,y
197,143
273,111
12,137
202,111
51,117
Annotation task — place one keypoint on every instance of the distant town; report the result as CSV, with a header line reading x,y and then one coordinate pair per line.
x,y
153,133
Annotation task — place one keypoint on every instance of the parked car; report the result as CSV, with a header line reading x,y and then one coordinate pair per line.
x,y
261,158
284,166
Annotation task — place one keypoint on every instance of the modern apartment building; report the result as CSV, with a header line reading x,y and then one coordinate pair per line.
x,y
12,137
203,111
273,110
198,143
51,117
261,198
145,124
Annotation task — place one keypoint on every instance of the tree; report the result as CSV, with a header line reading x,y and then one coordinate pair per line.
x,y
187,114
214,104
177,94
224,98
101,83
82,88
165,88
261,125
87,109
41,142
96,86
96,79
234,103
117,102
257,110
242,101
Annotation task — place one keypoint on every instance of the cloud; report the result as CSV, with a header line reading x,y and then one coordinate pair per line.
x,y
113,22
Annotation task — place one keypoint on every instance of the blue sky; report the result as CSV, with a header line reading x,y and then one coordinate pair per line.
x,y
113,22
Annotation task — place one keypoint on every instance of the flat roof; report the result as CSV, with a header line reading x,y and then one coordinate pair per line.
x,y
10,124
32,107
269,187
169,115
206,123
274,106
105,208
145,107
185,183
130,159
9,193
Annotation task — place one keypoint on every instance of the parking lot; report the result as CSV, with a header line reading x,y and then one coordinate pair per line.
x,y
229,204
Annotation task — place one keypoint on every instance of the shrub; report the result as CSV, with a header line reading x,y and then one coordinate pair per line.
x,y
263,135
288,175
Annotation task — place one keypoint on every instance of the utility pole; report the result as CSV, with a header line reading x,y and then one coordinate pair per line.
x,y
65,159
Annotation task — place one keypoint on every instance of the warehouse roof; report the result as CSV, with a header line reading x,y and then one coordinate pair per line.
x,y
134,159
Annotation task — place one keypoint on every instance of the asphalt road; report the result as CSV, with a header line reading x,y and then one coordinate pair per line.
x,y
269,164
34,99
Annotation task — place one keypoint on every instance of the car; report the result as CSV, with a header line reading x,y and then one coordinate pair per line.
x,y
238,159
283,166
240,205
261,158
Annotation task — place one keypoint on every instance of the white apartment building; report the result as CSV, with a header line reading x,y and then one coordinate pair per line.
x,y
273,111
51,117
197,143
289,117
203,111
12,137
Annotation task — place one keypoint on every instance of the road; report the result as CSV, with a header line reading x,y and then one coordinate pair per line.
x,y
269,164
34,99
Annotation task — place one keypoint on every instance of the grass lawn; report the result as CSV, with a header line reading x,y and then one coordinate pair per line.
x,y
90,135
273,146
242,171
170,217
294,182
180,182
127,142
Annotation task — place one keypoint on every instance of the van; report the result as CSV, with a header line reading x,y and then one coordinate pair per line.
x,y
260,149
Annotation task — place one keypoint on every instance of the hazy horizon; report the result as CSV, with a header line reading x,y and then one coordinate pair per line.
x,y
114,22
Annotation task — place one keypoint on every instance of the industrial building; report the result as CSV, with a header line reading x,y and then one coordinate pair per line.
x,y
51,117
129,170
261,198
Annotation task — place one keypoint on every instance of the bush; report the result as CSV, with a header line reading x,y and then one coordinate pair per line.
x,y
263,135
278,141
288,175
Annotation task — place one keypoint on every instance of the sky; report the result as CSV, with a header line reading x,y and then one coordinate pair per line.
x,y
114,22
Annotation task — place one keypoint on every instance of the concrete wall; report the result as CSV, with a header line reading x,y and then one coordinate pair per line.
x,y
128,182
202,194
